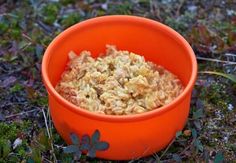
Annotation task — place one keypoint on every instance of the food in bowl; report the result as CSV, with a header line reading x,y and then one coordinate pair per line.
x,y
117,83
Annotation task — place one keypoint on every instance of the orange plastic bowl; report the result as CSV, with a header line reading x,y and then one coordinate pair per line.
x,y
129,136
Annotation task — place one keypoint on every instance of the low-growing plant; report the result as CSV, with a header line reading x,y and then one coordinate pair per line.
x,y
86,144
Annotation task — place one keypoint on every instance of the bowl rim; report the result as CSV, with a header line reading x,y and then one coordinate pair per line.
x,y
116,118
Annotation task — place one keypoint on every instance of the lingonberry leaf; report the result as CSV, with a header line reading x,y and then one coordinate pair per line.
x,y
179,133
198,145
219,158
194,133
92,152
74,138
71,149
90,144
95,137
85,142
102,146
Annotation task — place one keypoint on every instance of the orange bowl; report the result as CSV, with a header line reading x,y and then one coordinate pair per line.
x,y
129,136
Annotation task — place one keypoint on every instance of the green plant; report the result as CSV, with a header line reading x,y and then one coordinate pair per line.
x,y
181,23
215,94
50,12
5,148
17,87
66,2
91,145
219,158
228,76
70,19
9,133
121,8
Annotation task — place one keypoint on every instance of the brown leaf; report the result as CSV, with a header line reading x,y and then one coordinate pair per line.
x,y
204,35
32,94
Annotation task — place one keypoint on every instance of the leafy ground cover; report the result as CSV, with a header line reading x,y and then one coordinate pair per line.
x,y
27,27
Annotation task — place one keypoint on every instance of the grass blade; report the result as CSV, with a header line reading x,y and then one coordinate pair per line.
x,y
228,76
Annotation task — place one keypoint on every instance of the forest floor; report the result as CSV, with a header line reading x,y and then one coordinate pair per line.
x,y
28,26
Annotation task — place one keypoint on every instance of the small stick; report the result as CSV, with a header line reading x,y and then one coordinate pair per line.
x,y
179,7
49,132
172,141
45,159
46,123
187,147
21,113
230,54
9,14
30,39
154,9
50,122
215,60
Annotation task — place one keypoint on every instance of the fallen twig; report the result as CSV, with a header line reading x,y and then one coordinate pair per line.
x,y
21,113
46,123
185,149
135,159
230,54
9,14
30,39
154,9
216,60
167,148
179,7
49,133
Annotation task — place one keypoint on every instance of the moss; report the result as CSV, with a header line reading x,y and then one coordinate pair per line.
x,y
10,131
8,134
3,27
50,12
123,8
70,19
66,2
5,147
216,94
17,87
182,23
232,147
16,32
45,40
224,26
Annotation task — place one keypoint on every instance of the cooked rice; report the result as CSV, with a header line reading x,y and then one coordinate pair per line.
x,y
117,83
